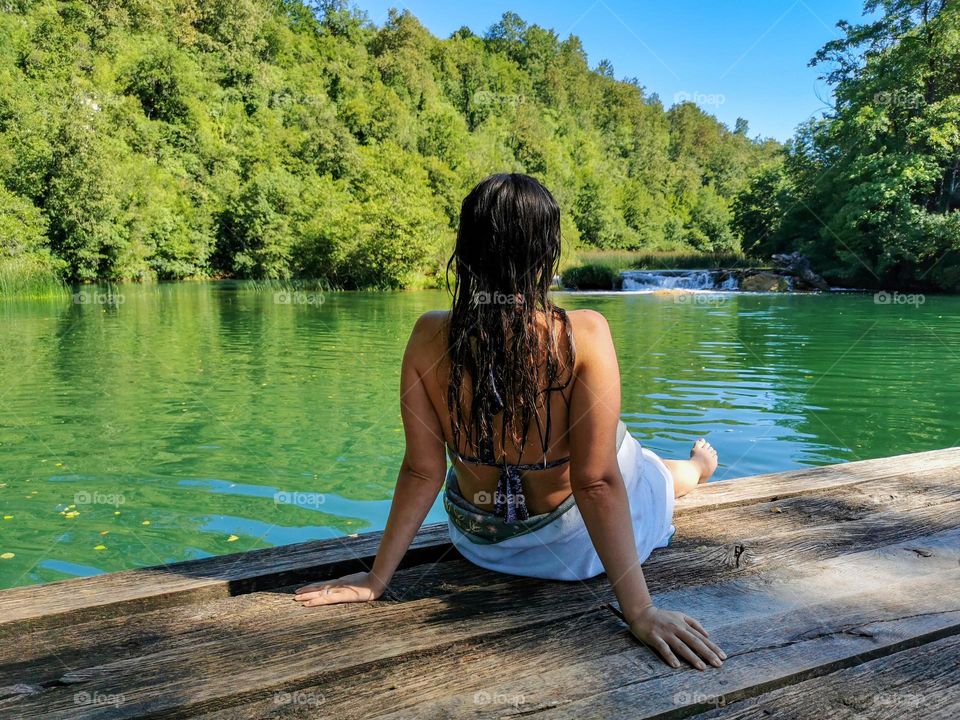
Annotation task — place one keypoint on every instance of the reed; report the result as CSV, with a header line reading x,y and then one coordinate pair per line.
x,y
25,276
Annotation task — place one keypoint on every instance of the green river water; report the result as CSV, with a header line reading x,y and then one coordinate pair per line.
x,y
169,422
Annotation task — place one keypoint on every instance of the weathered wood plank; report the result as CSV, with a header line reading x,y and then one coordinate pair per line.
x,y
231,659
827,478
134,591
706,544
230,655
202,580
921,682
778,628
477,665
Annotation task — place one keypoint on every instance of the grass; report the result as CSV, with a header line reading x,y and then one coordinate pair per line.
x,y
25,276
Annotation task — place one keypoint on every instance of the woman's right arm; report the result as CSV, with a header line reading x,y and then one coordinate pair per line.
x,y
603,502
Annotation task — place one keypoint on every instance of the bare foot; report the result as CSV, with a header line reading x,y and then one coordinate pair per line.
x,y
704,457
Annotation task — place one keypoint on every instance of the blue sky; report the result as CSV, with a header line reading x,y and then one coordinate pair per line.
x,y
735,58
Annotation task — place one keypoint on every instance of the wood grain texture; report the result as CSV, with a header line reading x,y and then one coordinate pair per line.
x,y
193,581
920,682
732,541
232,650
827,478
134,591
778,628
799,576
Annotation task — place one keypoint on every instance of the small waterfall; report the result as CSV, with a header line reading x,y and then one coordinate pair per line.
x,y
649,280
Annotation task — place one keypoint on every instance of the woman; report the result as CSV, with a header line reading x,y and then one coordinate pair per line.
x,y
545,481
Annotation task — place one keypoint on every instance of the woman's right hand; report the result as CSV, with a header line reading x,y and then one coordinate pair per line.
x,y
359,587
672,633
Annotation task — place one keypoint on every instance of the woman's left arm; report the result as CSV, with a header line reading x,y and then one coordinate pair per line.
x,y
418,483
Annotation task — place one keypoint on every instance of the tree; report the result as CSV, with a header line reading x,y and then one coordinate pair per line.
x,y
874,184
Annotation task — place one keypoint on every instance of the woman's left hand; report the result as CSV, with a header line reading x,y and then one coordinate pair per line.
x,y
359,587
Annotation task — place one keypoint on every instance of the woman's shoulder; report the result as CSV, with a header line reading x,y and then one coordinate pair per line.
x,y
432,321
588,322
430,328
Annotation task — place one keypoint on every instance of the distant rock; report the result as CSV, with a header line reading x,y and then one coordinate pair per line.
x,y
765,281
798,266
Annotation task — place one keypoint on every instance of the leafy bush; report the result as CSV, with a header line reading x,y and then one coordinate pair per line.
x,y
591,277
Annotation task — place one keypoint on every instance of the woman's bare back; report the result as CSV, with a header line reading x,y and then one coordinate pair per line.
x,y
544,489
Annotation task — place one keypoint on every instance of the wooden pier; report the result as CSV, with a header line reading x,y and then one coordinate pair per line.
x,y
835,592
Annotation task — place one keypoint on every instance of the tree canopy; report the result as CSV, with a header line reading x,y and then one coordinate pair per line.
x,y
189,138
871,191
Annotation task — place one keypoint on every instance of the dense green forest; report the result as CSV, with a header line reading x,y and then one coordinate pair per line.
x,y
871,191
171,139
204,138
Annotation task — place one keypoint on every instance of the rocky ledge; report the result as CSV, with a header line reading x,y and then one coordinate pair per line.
x,y
790,273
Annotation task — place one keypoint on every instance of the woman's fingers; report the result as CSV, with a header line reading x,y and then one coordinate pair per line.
x,y
661,646
309,591
699,632
684,651
333,594
695,624
697,644
716,648
330,596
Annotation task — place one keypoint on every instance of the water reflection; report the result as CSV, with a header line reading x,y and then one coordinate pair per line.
x,y
193,406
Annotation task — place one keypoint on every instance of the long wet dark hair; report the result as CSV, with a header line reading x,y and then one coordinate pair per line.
x,y
507,251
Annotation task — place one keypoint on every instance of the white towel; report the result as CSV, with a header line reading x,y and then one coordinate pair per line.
x,y
562,550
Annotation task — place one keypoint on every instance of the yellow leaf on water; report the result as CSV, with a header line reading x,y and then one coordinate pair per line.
x,y
145,522
8,517
105,532
116,512
7,556
232,538
58,465
100,547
